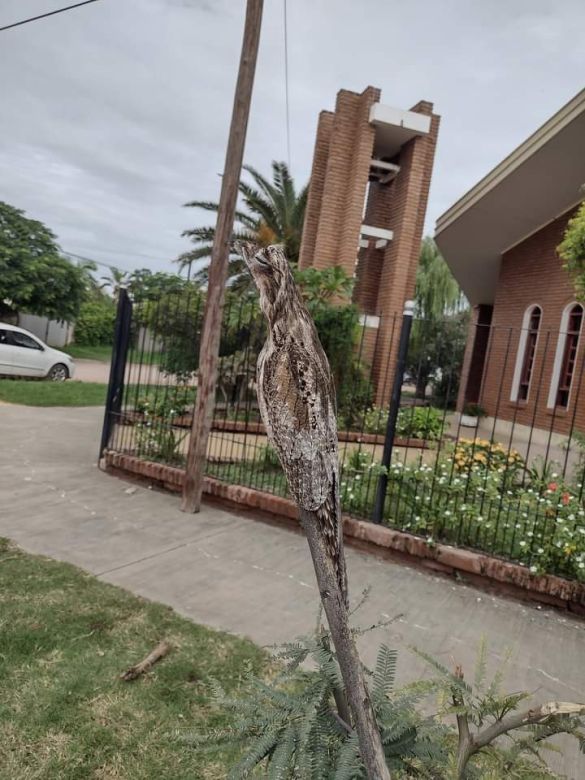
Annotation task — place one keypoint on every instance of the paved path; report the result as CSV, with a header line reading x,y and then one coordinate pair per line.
x,y
98,371
251,578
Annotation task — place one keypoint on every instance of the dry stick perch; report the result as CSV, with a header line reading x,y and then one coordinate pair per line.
x,y
469,743
155,655
296,397
371,749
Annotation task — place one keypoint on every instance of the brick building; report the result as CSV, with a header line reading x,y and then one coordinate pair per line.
x,y
366,208
525,350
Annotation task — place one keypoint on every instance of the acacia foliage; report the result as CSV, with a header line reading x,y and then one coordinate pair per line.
x,y
34,276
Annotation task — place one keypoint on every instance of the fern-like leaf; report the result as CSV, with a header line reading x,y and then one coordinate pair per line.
x,y
384,673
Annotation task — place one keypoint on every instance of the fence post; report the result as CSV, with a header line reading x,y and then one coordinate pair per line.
x,y
117,365
378,512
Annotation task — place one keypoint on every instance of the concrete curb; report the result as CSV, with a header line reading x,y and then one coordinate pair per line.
x,y
479,568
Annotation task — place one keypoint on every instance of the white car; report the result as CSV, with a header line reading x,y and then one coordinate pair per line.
x,y
23,354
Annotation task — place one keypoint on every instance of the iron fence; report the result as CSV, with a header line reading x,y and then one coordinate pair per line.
x,y
471,459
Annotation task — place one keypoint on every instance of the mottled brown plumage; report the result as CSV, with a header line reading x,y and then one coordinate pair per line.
x,y
296,396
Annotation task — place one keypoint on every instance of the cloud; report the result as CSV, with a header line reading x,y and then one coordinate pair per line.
x,y
116,114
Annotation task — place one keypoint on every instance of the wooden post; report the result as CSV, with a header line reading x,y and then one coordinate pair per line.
x,y
210,337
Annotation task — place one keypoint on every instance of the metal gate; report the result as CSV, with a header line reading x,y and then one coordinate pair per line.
x,y
117,367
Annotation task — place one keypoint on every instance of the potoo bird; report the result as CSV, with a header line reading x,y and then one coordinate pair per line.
x,y
296,396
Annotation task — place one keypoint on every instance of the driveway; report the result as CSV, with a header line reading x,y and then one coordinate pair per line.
x,y
97,371
255,579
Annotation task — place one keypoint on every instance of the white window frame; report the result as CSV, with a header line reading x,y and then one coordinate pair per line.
x,y
520,354
560,351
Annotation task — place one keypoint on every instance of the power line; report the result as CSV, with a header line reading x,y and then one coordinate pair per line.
x,y
49,13
108,251
286,83
98,262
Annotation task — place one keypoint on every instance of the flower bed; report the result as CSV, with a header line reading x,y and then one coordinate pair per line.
x,y
478,495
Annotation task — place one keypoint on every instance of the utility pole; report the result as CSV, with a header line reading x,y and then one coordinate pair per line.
x,y
210,337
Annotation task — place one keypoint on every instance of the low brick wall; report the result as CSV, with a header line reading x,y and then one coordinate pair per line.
x,y
479,568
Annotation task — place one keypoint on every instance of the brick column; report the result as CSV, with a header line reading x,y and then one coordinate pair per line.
x,y
409,202
317,183
346,178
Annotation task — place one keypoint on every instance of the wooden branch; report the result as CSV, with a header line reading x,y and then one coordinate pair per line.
x,y
527,718
155,655
473,743
338,695
465,741
344,725
370,741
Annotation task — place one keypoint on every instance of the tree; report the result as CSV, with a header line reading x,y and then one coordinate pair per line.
x,y
115,280
95,321
338,326
146,285
173,317
438,331
274,214
572,250
34,277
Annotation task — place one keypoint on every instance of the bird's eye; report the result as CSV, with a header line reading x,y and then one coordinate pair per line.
x,y
261,261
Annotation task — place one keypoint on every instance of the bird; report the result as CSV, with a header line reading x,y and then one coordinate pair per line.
x,y
296,398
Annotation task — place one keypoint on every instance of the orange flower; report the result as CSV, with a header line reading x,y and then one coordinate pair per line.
x,y
552,486
565,498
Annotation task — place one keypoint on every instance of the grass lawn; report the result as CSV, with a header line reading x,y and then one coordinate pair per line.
x,y
36,393
103,353
65,638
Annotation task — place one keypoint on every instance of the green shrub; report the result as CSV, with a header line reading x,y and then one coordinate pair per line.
x,y
485,454
158,440
354,394
572,250
270,457
420,422
289,727
167,403
414,422
375,420
95,323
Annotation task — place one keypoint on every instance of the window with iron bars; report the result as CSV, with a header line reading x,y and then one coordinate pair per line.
x,y
569,356
529,353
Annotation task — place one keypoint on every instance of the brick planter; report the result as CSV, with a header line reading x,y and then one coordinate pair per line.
x,y
478,567
258,429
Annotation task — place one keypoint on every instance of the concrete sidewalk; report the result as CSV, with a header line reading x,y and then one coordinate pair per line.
x,y
254,579
98,371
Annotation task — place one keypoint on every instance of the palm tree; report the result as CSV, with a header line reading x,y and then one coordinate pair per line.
x,y
274,214
115,280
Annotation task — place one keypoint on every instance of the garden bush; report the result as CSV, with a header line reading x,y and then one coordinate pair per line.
x,y
95,322
167,402
483,508
486,503
289,727
414,422
420,422
485,454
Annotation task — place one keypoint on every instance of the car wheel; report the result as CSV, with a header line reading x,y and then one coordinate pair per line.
x,y
59,373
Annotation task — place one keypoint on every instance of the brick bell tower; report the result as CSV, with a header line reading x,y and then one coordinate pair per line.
x,y
366,208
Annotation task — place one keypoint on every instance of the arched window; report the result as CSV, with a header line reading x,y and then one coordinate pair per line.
x,y
526,353
566,356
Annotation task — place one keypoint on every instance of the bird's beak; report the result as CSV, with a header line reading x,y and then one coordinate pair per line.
x,y
247,250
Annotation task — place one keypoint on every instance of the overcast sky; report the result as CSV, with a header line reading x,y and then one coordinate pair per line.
x,y
115,114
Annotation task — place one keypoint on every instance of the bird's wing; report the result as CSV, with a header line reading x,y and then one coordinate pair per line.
x,y
297,403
